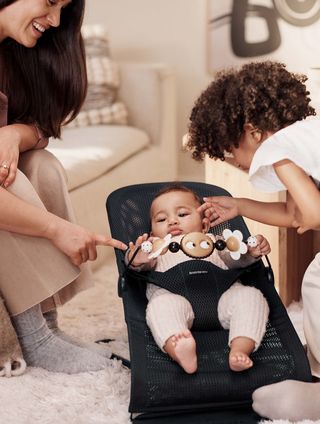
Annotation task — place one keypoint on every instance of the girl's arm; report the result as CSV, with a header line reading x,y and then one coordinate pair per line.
x,y
78,243
218,209
304,193
279,214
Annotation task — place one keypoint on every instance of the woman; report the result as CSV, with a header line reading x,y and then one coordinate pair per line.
x,y
42,84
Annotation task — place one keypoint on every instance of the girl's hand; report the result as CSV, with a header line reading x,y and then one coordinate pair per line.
x,y
218,209
262,248
78,243
300,224
299,227
9,154
141,257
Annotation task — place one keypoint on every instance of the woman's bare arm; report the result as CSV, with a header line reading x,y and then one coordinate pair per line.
x,y
29,136
78,243
15,139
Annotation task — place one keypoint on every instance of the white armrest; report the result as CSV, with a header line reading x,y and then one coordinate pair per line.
x,y
148,90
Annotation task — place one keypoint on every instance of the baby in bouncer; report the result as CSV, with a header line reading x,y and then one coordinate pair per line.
x,y
243,310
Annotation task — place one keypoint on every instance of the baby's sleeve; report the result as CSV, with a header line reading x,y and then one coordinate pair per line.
x,y
148,266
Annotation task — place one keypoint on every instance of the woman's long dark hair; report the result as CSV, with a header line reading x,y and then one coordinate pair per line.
x,y
46,84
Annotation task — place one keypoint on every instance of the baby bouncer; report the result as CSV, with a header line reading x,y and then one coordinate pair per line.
x,y
161,392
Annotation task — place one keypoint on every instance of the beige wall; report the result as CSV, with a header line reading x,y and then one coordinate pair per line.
x,y
170,31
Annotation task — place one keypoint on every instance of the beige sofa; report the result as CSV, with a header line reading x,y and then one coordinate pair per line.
x,y
98,159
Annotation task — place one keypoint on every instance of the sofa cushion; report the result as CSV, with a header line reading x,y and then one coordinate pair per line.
x,y
89,152
101,105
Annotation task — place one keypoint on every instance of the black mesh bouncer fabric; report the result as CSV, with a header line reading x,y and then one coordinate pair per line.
x,y
160,386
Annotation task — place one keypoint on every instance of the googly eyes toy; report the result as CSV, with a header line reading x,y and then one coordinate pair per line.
x,y
197,245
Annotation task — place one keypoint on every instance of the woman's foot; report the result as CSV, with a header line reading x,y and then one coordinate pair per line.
x,y
239,361
182,348
288,400
51,318
56,355
100,349
41,348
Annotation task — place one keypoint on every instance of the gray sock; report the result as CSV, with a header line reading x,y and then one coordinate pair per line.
x,y
51,318
41,348
288,400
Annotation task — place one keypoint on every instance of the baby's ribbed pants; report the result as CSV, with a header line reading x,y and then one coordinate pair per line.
x,y
241,309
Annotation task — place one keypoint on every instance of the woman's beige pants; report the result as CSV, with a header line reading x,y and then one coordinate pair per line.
x,y
311,313
32,269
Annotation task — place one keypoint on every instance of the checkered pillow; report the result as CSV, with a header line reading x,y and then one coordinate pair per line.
x,y
101,105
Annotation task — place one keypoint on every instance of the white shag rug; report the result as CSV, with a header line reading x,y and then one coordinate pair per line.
x,y
41,397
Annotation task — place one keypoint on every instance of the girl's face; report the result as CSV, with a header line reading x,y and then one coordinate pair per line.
x,y
249,142
26,20
244,153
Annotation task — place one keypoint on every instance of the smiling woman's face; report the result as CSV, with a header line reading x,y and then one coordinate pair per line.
x,y
26,20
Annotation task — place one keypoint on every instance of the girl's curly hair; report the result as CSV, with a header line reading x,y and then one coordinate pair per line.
x,y
264,94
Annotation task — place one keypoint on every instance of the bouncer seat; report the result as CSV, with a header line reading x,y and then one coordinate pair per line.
x,y
161,392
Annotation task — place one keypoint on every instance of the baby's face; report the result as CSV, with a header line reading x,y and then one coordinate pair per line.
x,y
175,213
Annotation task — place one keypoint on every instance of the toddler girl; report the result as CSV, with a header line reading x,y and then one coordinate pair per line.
x,y
257,114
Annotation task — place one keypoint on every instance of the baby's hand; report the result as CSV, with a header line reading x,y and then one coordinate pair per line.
x,y
141,257
262,248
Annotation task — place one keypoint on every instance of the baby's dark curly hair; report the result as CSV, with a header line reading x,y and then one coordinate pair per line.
x,y
264,94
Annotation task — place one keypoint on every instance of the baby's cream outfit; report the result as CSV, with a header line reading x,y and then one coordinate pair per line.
x,y
241,309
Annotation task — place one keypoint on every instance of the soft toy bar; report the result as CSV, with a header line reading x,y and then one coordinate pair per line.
x,y
199,246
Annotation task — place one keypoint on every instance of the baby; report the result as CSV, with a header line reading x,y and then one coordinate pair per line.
x,y
241,309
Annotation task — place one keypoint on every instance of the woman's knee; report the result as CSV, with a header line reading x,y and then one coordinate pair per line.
x,y
48,177
42,167
22,188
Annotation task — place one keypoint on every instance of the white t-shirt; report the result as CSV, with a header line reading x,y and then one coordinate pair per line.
x,y
299,142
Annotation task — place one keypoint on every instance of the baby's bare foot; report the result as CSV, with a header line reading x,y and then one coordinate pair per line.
x,y
239,361
182,348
